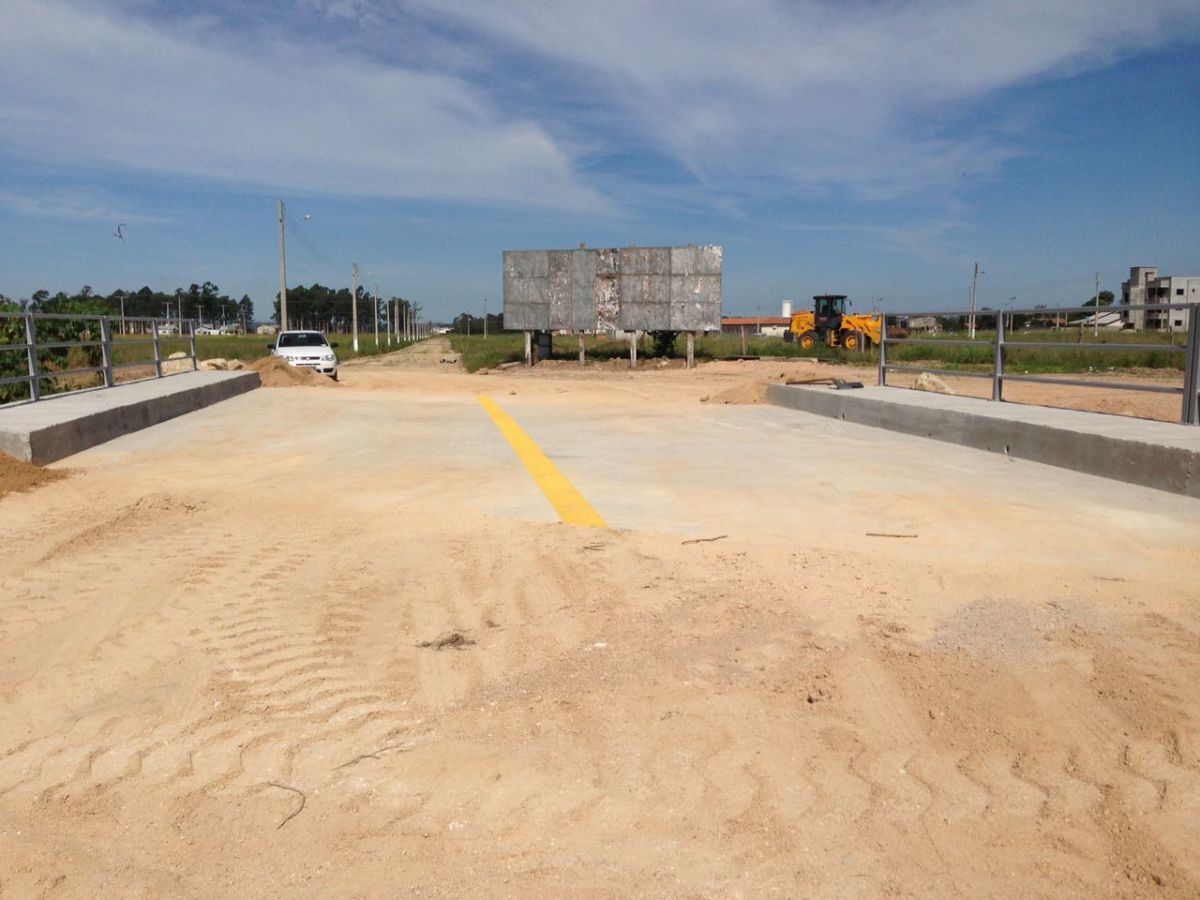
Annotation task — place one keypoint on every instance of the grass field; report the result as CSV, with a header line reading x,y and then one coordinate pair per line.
x,y
134,352
246,347
505,347
1083,357
477,353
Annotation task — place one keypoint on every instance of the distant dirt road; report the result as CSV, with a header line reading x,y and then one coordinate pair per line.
x,y
429,355
335,643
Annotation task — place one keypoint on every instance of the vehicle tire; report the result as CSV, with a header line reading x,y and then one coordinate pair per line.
x,y
334,376
808,340
851,340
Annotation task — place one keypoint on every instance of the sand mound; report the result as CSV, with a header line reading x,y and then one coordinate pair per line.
x,y
746,392
22,476
929,382
755,390
277,372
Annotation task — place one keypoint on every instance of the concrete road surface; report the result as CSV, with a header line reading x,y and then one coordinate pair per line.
x,y
338,642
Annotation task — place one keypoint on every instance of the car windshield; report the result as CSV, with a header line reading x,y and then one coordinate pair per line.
x,y
303,339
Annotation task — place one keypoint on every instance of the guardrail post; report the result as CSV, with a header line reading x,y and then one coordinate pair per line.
x,y
1191,370
998,360
192,328
35,387
157,349
882,380
106,350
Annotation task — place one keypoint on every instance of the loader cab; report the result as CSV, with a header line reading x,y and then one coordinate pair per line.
x,y
828,310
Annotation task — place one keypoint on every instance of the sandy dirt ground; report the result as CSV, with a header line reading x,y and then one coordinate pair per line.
x,y
16,475
334,643
745,382
1139,404
750,388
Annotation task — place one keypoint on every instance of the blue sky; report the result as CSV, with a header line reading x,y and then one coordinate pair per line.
x,y
872,148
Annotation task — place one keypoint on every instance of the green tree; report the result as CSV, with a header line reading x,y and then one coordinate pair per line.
x,y
321,307
663,342
495,323
1106,299
53,332
13,364
245,311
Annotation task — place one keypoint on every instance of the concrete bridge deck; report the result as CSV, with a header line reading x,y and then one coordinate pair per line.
x,y
62,425
1160,455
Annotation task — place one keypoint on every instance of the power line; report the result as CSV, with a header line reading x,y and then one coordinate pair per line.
x,y
300,235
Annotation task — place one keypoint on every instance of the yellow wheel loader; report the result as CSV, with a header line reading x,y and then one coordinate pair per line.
x,y
831,325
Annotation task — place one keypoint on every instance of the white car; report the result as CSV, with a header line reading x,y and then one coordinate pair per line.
x,y
309,349
206,329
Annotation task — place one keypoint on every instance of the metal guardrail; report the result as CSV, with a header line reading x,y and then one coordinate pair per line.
x,y
1190,392
30,347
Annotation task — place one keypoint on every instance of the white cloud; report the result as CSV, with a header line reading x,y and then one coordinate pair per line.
x,y
812,94
94,86
74,206
515,102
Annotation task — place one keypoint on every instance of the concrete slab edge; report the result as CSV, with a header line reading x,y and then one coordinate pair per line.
x,y
1172,469
16,445
55,442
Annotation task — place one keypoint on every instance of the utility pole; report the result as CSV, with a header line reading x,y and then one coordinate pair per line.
x,y
376,305
485,318
389,326
974,296
1096,308
283,316
354,304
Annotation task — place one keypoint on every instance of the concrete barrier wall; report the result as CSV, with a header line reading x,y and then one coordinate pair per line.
x,y
58,427
1120,457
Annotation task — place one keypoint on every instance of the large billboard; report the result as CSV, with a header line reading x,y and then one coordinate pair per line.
x,y
626,289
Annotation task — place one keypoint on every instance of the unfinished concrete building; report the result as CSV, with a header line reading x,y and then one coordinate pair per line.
x,y
1146,286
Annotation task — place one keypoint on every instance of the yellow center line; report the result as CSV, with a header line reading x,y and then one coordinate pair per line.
x,y
571,505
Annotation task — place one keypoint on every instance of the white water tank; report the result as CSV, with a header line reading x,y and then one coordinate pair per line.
x,y
787,309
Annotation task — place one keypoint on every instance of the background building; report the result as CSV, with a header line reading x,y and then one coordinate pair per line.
x,y
771,326
1146,286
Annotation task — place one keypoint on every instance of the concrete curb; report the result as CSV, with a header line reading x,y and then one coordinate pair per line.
x,y
1152,454
58,427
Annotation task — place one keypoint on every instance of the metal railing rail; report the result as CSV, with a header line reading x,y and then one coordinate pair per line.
x,y
1190,392
31,346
